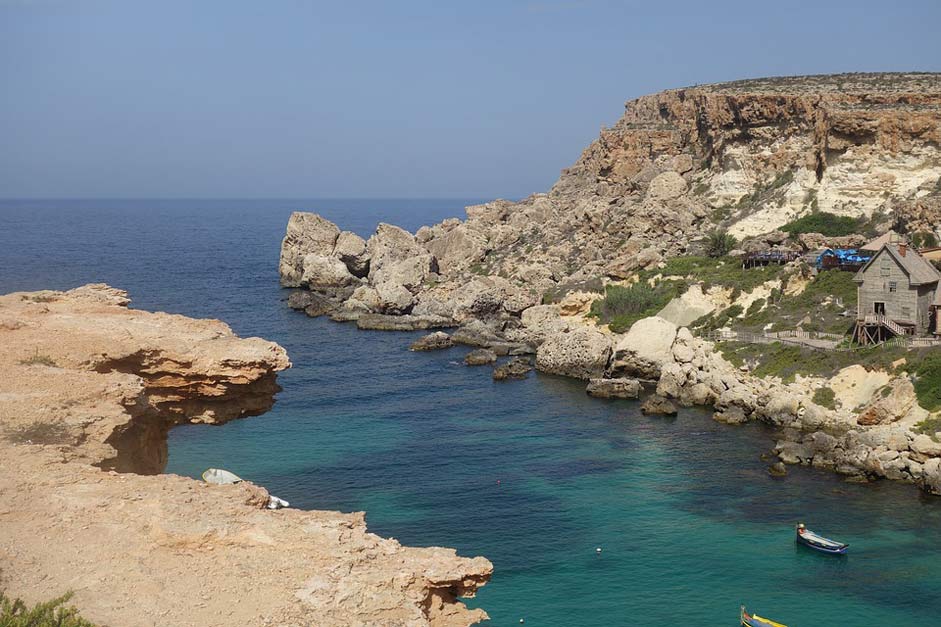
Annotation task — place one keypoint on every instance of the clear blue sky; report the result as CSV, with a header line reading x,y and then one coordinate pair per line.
x,y
284,98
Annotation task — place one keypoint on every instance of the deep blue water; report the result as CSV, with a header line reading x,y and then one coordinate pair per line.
x,y
532,474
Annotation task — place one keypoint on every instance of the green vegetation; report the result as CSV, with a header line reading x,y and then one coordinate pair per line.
x,y
557,293
828,224
720,244
623,306
825,397
787,360
924,239
824,300
54,613
926,374
929,426
36,359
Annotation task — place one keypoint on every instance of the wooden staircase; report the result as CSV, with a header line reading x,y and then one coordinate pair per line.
x,y
864,336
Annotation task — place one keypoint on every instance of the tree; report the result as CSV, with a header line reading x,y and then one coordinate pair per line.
x,y
720,244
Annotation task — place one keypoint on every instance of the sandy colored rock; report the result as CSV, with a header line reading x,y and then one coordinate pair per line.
x,y
645,348
307,233
581,353
87,384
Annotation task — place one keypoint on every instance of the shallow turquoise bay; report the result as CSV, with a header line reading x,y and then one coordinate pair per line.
x,y
532,474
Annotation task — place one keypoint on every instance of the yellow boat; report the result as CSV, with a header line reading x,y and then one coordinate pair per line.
x,y
753,620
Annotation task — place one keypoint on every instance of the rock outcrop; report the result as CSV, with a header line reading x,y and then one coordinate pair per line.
x,y
88,390
747,156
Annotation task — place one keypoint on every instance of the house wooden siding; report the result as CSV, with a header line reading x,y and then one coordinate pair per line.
x,y
908,304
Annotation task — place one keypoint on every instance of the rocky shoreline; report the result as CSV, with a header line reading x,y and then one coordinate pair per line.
x,y
518,278
88,391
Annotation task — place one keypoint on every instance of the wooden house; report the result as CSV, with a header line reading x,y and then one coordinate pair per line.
x,y
898,294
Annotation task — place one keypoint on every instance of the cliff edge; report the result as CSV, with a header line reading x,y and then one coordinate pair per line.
x,y
88,390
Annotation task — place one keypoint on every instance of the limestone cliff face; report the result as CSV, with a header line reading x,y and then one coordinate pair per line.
x,y
747,156
88,390
774,149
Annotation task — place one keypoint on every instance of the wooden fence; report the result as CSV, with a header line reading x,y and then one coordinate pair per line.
x,y
816,340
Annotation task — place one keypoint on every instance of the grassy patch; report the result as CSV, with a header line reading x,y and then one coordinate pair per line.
x,y
623,306
928,426
824,300
786,361
828,224
54,613
724,272
825,397
926,374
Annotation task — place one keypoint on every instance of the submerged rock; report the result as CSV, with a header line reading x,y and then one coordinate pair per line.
x,y
777,469
432,342
517,368
480,357
656,405
614,388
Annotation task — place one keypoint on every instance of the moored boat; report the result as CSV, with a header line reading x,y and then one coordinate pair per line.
x,y
817,542
753,620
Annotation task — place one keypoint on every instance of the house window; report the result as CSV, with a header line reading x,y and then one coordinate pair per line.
x,y
893,286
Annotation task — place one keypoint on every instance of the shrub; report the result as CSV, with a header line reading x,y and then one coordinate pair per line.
x,y
825,397
828,224
720,244
38,360
926,374
54,613
924,239
623,306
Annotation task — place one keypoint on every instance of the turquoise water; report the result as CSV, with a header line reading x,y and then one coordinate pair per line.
x,y
532,474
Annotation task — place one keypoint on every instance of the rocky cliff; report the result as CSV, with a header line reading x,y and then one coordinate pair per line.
x,y
749,156
88,390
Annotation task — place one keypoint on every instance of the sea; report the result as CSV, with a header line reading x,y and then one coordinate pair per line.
x,y
592,514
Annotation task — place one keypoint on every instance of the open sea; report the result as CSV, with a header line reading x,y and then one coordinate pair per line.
x,y
532,474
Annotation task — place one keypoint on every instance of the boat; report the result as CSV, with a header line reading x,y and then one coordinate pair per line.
x,y
218,476
817,542
753,620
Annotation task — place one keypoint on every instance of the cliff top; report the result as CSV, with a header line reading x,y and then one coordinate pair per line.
x,y
857,83
88,385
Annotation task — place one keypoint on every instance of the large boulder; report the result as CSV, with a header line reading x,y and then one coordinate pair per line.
x,y
458,248
892,403
432,342
391,244
307,233
516,368
480,357
581,353
613,388
410,273
351,250
325,272
645,348
666,186
684,310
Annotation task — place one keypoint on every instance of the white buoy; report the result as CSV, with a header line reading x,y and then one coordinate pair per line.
x,y
522,621
598,550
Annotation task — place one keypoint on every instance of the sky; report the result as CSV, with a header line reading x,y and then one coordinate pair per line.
x,y
363,99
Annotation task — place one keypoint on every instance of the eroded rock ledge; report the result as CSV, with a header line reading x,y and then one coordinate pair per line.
x,y
89,387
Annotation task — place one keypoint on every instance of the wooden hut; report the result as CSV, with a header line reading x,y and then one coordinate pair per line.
x,y
897,295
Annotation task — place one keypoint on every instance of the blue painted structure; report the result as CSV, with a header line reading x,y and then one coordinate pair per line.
x,y
842,259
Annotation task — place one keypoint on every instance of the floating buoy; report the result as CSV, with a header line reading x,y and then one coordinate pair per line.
x,y
522,621
598,550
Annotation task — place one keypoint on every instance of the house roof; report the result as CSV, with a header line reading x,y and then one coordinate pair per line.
x,y
877,244
918,269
